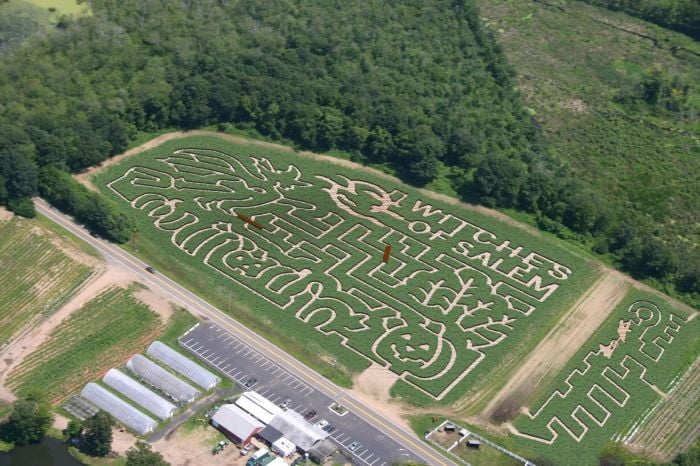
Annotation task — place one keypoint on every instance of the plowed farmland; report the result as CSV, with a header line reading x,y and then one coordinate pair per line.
x,y
102,334
36,276
322,255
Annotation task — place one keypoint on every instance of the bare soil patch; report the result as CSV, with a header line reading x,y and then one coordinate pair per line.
x,y
194,448
373,386
5,214
65,247
555,350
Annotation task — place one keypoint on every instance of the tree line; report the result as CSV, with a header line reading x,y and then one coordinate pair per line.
x,y
418,88
679,15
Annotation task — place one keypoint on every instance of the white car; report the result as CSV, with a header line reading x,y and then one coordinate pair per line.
x,y
245,450
322,423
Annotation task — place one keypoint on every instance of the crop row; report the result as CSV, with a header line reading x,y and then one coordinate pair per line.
x,y
673,424
37,277
611,383
100,335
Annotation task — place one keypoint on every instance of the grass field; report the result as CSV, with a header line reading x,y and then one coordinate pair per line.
x,y
572,61
21,19
104,333
37,277
459,294
614,381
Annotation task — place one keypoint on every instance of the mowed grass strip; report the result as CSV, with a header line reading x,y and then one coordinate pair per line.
x,y
102,334
37,277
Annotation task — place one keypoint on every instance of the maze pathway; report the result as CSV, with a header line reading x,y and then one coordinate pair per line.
x,y
314,246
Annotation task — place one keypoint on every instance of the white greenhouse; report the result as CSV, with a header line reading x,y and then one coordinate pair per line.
x,y
156,376
183,365
139,394
119,409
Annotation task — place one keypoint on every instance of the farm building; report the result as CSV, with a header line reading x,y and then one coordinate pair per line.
x,y
294,427
119,409
183,365
156,376
139,394
269,435
259,406
236,424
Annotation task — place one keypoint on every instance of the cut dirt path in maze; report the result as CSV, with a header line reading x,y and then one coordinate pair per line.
x,y
86,177
562,342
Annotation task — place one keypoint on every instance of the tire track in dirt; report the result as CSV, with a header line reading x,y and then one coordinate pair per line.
x,y
554,351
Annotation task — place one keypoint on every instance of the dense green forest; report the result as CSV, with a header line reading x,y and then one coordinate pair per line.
x,y
679,15
420,88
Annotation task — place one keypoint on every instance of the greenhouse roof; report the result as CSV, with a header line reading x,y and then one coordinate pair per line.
x,y
156,376
119,409
139,394
183,365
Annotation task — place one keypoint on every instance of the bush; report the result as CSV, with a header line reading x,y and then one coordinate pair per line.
x,y
24,207
29,421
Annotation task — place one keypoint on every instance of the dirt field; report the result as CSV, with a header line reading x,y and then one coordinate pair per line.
x,y
5,214
558,347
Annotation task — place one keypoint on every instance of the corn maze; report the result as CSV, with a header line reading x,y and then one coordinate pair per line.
x,y
429,294
636,362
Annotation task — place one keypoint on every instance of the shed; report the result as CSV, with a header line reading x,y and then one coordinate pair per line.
x,y
259,406
473,443
321,451
284,447
295,428
183,365
235,423
269,435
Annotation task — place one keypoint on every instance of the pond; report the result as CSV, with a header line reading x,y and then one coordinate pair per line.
x,y
49,452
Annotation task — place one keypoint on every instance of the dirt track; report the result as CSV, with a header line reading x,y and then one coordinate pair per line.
x,y
560,344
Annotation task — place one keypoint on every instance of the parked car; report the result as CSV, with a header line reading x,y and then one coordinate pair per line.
x,y
353,446
285,403
322,423
250,382
310,415
245,450
328,428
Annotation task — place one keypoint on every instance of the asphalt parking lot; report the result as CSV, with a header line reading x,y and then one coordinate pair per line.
x,y
241,363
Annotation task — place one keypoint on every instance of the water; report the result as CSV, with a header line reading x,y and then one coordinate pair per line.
x,y
49,452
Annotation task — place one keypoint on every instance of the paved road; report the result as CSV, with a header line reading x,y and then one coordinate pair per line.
x,y
242,363
414,446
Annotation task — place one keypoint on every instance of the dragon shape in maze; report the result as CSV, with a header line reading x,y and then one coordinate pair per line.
x,y
603,385
451,290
